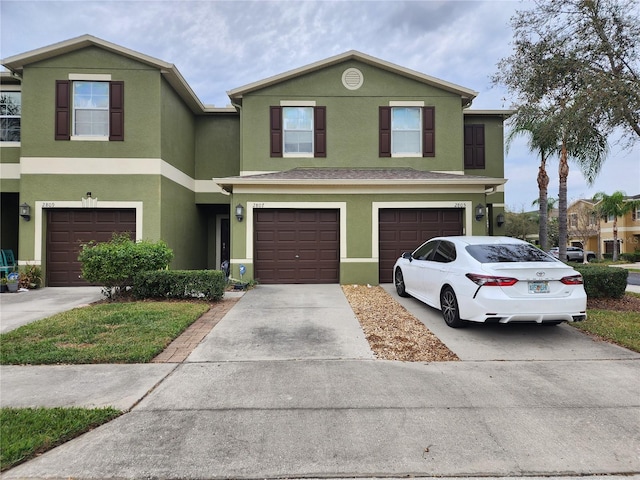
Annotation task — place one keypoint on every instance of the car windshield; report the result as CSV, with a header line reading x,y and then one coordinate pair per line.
x,y
508,253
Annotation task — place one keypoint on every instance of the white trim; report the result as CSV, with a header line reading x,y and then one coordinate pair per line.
x,y
406,103
10,171
297,103
54,204
406,155
342,206
358,260
89,138
375,211
5,87
298,155
352,189
9,144
245,173
29,262
113,166
91,77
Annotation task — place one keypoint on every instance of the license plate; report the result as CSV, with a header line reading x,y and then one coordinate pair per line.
x,y
538,287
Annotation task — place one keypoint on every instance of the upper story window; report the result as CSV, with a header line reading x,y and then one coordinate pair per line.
x,y
89,107
407,129
298,129
636,214
10,112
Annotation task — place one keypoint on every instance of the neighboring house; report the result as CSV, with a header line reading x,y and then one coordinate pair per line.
x,y
598,232
323,174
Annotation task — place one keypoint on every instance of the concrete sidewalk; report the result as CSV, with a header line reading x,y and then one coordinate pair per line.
x,y
276,391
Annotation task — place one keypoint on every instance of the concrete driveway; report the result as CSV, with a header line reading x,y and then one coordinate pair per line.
x,y
313,405
17,309
505,342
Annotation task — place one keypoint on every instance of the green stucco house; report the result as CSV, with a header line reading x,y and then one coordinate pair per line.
x,y
323,174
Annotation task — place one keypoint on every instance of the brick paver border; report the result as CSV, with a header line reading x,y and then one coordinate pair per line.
x,y
178,350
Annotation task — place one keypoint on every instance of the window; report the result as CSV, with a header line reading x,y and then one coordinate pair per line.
x,y
474,146
635,214
425,252
573,220
406,131
297,126
10,111
298,131
89,110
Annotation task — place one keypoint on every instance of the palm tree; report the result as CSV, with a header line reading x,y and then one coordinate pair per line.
x,y
543,138
614,205
580,141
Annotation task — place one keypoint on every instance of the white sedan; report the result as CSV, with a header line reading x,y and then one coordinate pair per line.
x,y
491,280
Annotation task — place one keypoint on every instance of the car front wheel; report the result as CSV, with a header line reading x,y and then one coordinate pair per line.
x,y
399,282
449,307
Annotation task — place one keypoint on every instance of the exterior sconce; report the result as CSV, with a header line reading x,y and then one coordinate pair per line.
x,y
479,212
25,211
239,212
500,219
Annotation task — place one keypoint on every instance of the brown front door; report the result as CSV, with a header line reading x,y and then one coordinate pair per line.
x,y
405,229
67,229
297,246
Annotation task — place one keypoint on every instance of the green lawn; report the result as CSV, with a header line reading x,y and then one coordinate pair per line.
x,y
621,328
133,332
27,432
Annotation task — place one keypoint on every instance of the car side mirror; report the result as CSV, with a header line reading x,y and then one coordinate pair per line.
x,y
408,256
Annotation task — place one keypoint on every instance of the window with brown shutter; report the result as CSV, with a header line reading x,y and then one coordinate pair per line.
x,y
63,110
386,132
277,131
474,146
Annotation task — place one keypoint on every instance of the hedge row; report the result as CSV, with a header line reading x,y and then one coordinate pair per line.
x,y
205,284
603,282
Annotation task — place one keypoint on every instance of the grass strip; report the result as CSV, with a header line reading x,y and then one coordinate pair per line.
x,y
621,328
27,432
133,332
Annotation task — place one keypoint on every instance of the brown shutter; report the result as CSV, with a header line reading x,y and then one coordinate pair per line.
x,y
116,111
63,110
320,131
384,141
276,131
474,146
429,132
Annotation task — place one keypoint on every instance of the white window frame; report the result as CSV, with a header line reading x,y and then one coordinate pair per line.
x,y
12,89
91,78
298,104
407,104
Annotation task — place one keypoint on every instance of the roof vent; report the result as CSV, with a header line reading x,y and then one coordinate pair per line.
x,y
352,78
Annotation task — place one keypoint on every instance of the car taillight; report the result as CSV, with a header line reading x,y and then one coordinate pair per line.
x,y
489,281
572,280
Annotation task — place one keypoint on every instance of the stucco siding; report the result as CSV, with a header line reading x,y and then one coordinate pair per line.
x,y
177,131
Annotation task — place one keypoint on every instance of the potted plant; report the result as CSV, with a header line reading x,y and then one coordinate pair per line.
x,y
12,282
3,284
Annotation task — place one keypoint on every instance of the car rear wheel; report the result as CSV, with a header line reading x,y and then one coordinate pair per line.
x,y
590,258
449,307
399,282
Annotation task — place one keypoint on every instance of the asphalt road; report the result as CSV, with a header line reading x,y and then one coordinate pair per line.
x,y
633,278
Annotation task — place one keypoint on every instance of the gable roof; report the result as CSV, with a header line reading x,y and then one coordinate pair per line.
x,y
467,94
169,71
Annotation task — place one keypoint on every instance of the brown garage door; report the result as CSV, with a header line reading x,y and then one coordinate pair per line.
x,y
403,230
67,229
297,246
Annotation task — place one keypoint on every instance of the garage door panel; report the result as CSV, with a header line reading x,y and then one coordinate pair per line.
x,y
403,230
307,249
68,228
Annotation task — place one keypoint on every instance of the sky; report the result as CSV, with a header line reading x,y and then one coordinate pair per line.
x,y
221,45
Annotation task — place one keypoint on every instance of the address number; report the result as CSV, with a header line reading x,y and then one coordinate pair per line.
x,y
258,205
459,205
48,204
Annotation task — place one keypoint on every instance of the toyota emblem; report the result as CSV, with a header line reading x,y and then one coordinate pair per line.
x,y
540,274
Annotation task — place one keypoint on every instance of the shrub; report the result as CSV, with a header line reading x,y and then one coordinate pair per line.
x,y
602,281
630,257
206,284
113,264
30,276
